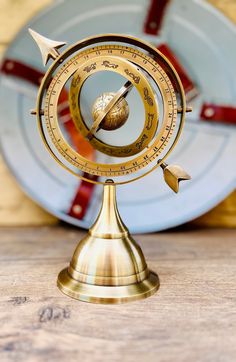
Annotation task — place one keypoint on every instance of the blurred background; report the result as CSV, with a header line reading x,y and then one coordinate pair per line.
x,y
199,37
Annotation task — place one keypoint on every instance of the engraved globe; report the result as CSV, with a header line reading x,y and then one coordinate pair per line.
x,y
117,116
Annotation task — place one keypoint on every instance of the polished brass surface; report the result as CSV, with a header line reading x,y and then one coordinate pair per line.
x,y
116,117
122,93
173,174
108,266
94,64
188,109
149,60
48,48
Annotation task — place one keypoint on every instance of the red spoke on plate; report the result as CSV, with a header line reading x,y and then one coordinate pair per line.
x,y
186,80
153,24
23,71
209,112
218,113
155,16
85,190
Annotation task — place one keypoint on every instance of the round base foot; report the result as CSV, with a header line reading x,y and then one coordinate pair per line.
x,y
107,294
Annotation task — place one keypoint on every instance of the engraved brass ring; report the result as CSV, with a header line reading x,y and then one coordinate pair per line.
x,y
140,58
138,79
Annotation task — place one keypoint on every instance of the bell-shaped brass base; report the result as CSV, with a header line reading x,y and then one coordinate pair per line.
x,y
108,266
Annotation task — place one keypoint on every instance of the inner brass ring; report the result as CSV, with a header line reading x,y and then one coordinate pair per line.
x,y
140,82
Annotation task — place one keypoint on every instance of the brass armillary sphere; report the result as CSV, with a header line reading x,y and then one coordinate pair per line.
x,y
108,266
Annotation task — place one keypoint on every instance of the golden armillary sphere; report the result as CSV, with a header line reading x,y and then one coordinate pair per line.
x,y
108,266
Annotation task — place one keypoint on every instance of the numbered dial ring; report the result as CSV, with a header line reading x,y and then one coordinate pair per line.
x,y
149,61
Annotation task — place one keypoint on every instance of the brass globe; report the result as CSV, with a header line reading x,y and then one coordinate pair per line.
x,y
117,116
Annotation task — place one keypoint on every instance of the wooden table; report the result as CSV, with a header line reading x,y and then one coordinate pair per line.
x,y
191,318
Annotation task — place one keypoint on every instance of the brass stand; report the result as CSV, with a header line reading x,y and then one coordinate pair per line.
x,y
108,266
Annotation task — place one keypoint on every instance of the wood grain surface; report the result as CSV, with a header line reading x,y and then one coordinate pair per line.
x,y
192,317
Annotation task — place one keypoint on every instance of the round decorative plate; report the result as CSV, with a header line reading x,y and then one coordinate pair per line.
x,y
205,60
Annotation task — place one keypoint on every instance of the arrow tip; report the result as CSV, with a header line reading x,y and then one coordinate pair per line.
x,y
48,48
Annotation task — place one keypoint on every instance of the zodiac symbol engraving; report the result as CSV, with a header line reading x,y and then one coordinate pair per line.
x,y
133,76
150,120
139,144
91,67
76,81
147,97
108,64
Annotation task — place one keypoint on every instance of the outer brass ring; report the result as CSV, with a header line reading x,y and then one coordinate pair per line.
x,y
137,78
115,169
120,39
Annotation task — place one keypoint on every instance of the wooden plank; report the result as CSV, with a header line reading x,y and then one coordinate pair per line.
x,y
191,318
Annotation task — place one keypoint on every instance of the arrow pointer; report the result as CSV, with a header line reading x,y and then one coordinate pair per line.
x,y
48,48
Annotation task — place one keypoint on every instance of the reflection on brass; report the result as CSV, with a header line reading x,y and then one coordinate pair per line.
x,y
108,107
34,112
90,134
173,174
188,109
108,266
48,48
116,117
